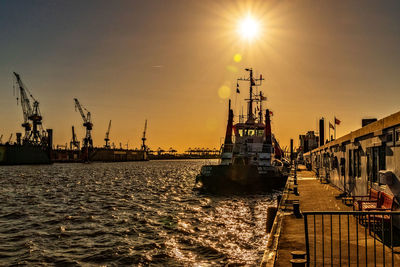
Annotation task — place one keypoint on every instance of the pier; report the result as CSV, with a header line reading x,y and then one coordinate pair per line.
x,y
332,241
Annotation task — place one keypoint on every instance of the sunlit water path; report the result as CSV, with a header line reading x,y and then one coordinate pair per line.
x,y
135,213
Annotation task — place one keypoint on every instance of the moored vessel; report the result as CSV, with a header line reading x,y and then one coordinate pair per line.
x,y
251,158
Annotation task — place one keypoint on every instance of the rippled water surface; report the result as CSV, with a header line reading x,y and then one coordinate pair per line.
x,y
134,213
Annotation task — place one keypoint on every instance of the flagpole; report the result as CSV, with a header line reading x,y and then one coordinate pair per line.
x,y
329,127
334,121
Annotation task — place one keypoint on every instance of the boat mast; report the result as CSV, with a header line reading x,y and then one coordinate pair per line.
x,y
250,115
261,107
250,111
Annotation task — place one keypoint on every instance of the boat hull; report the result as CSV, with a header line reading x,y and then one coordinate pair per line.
x,y
24,154
228,179
117,155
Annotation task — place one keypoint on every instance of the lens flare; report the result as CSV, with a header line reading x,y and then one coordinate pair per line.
x,y
237,57
224,92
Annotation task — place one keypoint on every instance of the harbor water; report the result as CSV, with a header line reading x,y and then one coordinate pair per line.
x,y
133,213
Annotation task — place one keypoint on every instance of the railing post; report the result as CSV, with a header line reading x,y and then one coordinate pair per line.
x,y
373,220
307,240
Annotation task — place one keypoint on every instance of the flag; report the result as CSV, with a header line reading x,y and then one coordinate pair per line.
x,y
253,82
337,121
271,113
331,125
237,88
263,98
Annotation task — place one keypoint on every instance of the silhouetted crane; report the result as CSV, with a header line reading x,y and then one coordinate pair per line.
x,y
107,138
31,113
144,147
1,138
87,123
74,141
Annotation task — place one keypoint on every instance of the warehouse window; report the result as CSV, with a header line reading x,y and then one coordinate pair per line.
x,y
351,161
358,162
397,136
389,138
376,161
382,158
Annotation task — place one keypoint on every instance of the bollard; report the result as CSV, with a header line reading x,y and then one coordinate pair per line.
x,y
296,209
298,254
278,200
295,191
298,262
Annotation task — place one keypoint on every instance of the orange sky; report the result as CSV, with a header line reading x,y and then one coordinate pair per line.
x,y
166,60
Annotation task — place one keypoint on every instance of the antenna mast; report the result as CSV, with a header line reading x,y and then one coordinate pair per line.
x,y
252,80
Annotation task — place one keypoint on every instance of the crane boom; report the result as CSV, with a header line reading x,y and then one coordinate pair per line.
x,y
25,103
108,131
144,147
87,123
107,138
145,129
79,107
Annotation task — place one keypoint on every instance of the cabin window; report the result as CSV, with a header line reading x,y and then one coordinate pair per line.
x,y
240,131
260,132
249,132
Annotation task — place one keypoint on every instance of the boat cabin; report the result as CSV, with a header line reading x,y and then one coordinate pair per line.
x,y
249,132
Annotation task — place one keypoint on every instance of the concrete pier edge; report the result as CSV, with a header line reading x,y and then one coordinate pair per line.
x,y
271,250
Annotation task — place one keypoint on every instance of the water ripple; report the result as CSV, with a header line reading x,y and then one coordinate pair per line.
x,y
136,213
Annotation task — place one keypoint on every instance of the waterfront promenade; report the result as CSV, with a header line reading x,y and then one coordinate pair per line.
x,y
348,238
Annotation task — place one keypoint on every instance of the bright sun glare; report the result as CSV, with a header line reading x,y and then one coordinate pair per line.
x,y
248,28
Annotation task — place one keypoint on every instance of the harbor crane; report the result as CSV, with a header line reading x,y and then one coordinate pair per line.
x,y
33,132
1,138
144,146
107,138
87,123
74,141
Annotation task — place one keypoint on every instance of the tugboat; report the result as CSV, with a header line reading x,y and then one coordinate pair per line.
x,y
251,159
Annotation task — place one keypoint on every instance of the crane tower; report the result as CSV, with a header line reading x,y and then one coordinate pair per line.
x,y
144,146
107,138
34,132
74,142
87,123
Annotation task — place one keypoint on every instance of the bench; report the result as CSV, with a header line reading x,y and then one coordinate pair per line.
x,y
368,201
377,221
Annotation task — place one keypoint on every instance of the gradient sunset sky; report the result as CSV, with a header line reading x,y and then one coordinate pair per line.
x,y
166,61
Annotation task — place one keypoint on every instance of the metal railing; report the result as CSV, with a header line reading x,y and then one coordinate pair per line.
x,y
336,238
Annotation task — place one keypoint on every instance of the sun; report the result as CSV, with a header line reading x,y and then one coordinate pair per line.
x,y
248,28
